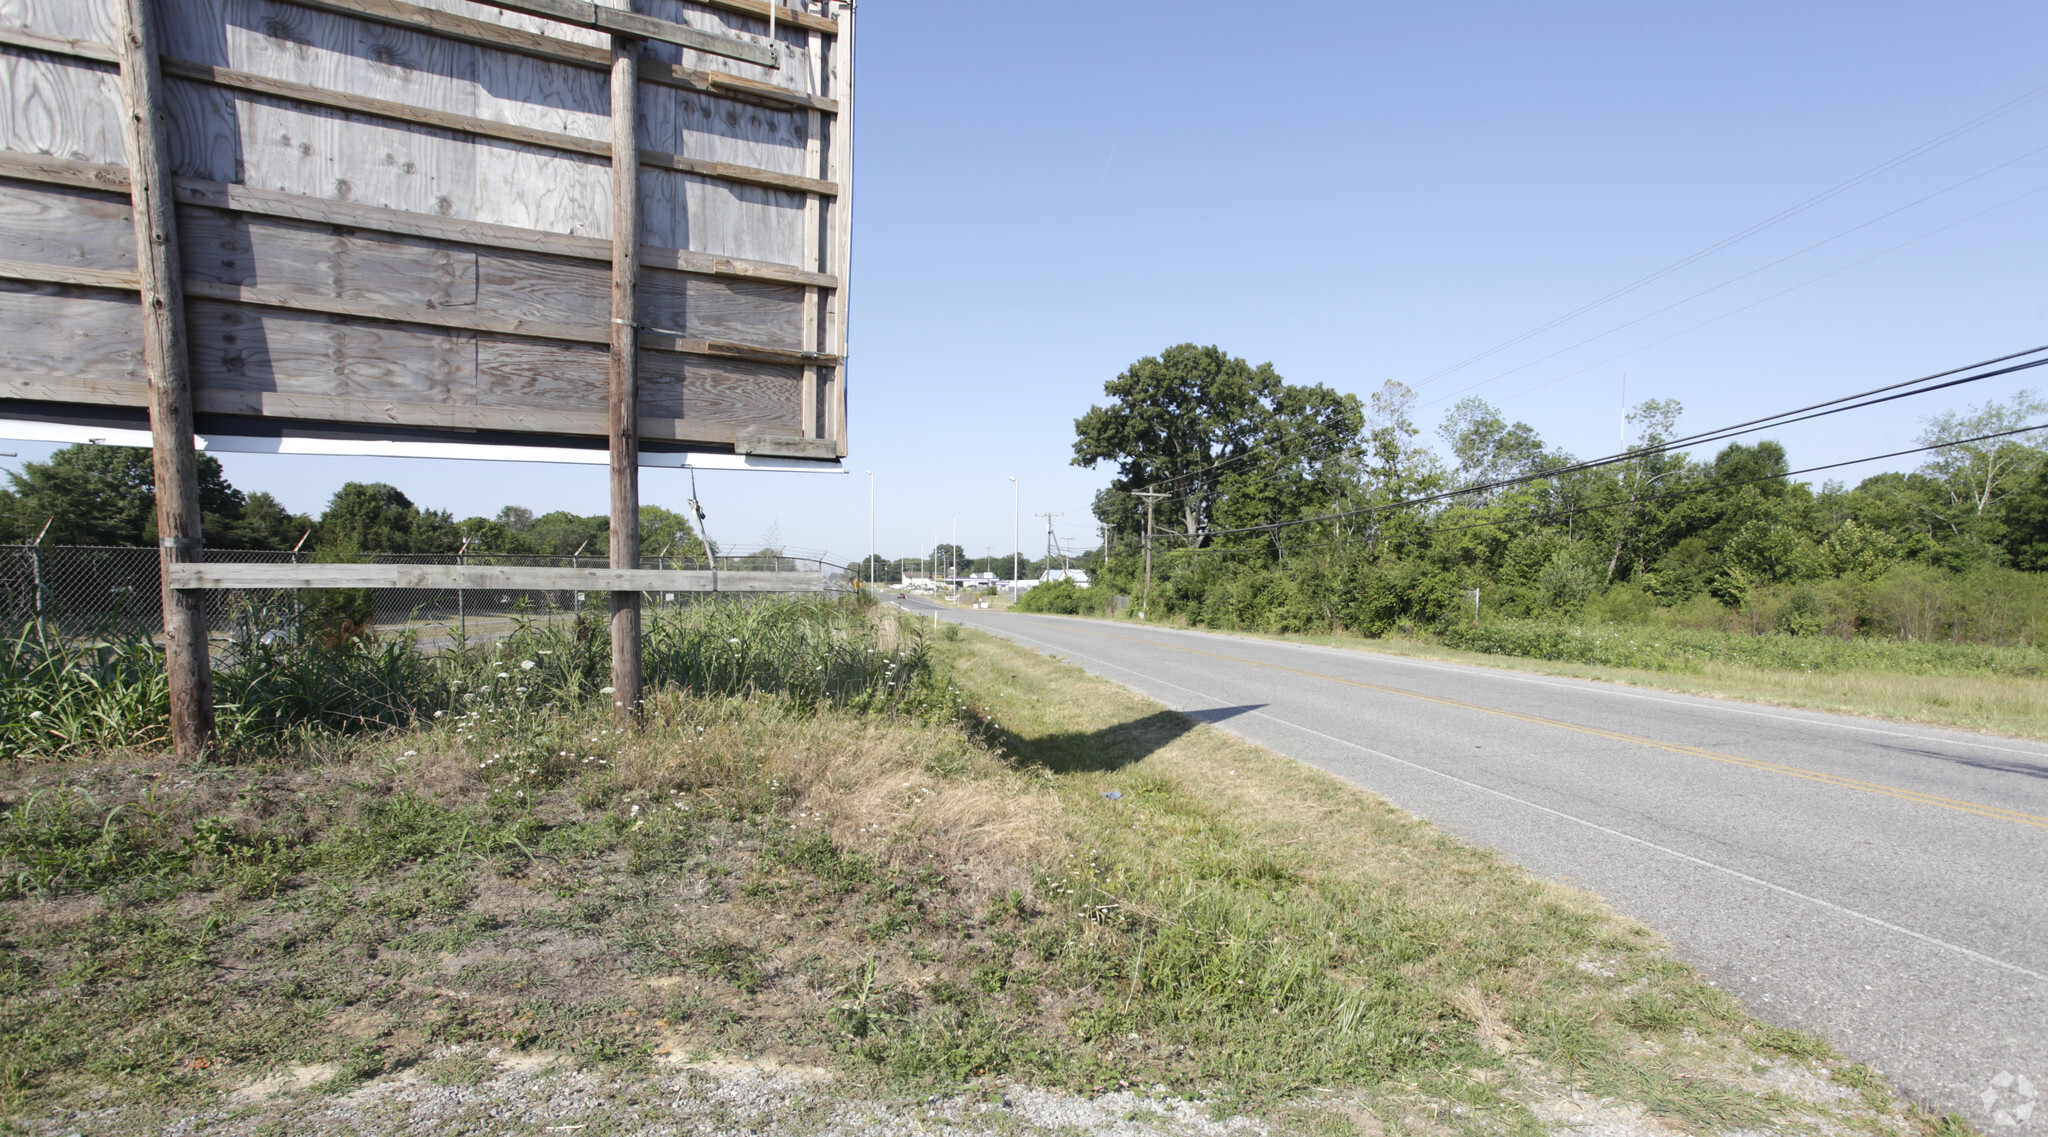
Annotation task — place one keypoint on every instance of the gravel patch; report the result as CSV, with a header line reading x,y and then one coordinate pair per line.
x,y
705,1099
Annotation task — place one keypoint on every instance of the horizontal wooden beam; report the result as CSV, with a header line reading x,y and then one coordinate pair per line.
x,y
59,45
484,578
584,14
485,34
38,273
784,14
485,127
464,320
300,207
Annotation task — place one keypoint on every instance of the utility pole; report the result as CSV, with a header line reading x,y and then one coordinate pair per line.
x,y
1050,548
953,554
1016,532
1150,498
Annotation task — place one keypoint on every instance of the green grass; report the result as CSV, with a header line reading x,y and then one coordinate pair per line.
x,y
62,697
918,882
1651,648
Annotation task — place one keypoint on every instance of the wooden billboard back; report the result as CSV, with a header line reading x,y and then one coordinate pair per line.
x,y
395,219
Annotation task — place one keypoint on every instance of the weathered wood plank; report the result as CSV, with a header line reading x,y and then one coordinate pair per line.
x,y
174,457
736,311
273,203
732,392
622,421
235,347
790,70
582,13
548,138
794,17
721,130
245,251
59,225
56,331
326,275
483,34
838,216
94,20
63,107
220,575
124,279
14,35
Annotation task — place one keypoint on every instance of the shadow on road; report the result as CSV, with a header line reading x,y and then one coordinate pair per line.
x,y
1111,748
1997,765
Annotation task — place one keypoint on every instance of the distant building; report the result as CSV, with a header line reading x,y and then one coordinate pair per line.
x,y
1077,576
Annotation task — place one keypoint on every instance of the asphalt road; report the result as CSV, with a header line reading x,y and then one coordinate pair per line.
x,y
1883,885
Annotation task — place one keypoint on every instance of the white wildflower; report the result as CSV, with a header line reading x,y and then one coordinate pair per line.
x,y
526,665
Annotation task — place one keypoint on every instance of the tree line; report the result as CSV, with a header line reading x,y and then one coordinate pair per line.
x,y
106,495
1291,507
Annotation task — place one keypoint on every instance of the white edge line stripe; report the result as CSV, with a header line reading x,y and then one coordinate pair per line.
x,y
1593,825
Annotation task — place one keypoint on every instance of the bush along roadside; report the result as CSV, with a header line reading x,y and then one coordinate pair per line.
x,y
1018,875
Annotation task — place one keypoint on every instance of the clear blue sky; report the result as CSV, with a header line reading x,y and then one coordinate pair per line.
x,y
1368,192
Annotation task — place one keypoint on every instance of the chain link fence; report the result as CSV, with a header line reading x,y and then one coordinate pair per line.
x,y
114,592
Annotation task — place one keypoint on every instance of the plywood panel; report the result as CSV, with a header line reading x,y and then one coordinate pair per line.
x,y
724,130
548,289
724,391
56,225
357,57
725,219
257,349
70,108
346,266
740,311
525,91
258,252
528,373
72,19
77,334
292,148
542,189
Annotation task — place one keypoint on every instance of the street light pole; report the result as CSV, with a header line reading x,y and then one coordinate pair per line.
x,y
871,528
1016,533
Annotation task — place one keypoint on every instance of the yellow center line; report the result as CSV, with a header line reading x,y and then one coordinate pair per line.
x,y
1992,811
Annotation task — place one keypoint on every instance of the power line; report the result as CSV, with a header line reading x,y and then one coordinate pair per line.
x,y
1784,215
1714,487
1857,401
1770,265
1775,295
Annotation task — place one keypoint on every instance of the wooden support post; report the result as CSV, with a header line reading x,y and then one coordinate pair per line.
x,y
625,378
170,387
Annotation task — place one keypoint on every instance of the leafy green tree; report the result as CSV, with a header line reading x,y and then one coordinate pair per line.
x,y
562,534
1488,448
106,495
374,517
11,524
1978,475
2026,522
665,530
264,524
1184,419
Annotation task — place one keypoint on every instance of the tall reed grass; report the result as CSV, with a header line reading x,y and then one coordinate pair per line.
x,y
60,696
